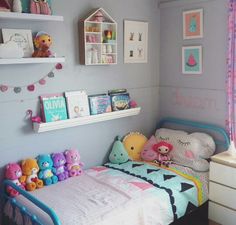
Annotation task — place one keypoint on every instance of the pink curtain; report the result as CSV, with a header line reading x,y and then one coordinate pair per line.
x,y
231,73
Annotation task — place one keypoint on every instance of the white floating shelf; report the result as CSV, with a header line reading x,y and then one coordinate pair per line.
x,y
31,17
44,127
31,60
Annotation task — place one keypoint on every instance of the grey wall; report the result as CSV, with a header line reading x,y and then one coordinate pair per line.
x,y
198,97
18,141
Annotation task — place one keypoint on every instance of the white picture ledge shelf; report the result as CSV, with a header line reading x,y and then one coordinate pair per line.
x,y
31,17
31,60
44,127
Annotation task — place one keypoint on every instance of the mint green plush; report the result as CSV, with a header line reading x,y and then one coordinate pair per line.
x,y
118,153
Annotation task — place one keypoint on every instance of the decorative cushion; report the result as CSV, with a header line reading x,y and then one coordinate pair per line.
x,y
189,150
148,153
118,153
134,143
208,143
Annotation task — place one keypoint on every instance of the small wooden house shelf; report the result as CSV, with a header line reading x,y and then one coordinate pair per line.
x,y
98,39
31,60
44,127
30,17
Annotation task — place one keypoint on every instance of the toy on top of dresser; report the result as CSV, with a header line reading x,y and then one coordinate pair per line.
x,y
59,162
47,172
13,172
74,166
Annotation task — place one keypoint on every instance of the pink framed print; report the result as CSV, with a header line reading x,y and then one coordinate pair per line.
x,y
193,24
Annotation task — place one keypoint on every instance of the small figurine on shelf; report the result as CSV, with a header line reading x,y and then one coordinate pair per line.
x,y
108,35
40,7
98,17
42,42
17,6
4,6
34,119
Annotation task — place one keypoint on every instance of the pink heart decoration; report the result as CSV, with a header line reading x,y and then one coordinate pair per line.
x,y
42,82
3,88
31,87
58,66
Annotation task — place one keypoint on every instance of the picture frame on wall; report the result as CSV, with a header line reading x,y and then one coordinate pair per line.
x,y
193,24
192,60
135,41
23,38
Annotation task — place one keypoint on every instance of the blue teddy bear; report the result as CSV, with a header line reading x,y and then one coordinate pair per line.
x,y
47,171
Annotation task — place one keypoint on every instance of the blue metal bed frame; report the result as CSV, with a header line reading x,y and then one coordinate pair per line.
x,y
35,220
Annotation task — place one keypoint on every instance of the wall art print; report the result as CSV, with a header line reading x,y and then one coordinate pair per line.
x,y
193,24
135,41
23,38
192,60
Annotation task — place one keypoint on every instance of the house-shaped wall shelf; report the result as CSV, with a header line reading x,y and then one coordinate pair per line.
x,y
98,39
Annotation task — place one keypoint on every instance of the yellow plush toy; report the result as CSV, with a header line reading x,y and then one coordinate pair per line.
x,y
134,143
30,169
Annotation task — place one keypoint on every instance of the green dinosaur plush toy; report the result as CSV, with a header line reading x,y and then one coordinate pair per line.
x,y
118,153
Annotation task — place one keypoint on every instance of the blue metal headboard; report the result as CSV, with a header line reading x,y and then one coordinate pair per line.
x,y
199,125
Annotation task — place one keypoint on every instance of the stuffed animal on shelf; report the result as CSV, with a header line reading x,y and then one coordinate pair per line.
x,y
74,166
42,43
163,149
118,153
134,143
46,172
5,6
59,162
40,7
13,172
30,171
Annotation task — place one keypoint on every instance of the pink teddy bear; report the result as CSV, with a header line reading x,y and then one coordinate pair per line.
x,y
74,166
13,172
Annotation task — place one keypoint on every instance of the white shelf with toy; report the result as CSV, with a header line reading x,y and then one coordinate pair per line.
x,y
44,127
30,17
31,60
98,39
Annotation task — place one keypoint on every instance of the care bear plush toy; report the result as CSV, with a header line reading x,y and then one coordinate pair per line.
x,y
30,170
59,162
73,163
47,172
13,172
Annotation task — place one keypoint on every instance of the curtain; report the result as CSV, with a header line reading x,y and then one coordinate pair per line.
x,y
231,71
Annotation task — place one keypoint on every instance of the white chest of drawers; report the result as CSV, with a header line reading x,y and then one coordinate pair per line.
x,y
222,189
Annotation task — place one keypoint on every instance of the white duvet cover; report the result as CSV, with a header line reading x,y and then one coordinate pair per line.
x,y
97,198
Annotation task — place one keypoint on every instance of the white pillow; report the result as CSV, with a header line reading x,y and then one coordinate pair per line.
x,y
207,142
188,150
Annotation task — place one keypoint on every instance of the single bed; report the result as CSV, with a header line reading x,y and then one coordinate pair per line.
x,y
137,193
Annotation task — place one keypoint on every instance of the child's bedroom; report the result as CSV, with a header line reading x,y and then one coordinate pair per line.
x,y
117,112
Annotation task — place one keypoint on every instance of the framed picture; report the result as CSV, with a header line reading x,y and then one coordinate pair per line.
x,y
135,42
193,24
22,37
192,60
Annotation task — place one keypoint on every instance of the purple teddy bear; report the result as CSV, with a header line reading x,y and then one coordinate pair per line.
x,y
59,162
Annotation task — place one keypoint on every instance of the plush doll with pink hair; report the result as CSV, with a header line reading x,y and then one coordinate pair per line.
x,y
13,172
163,149
74,166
